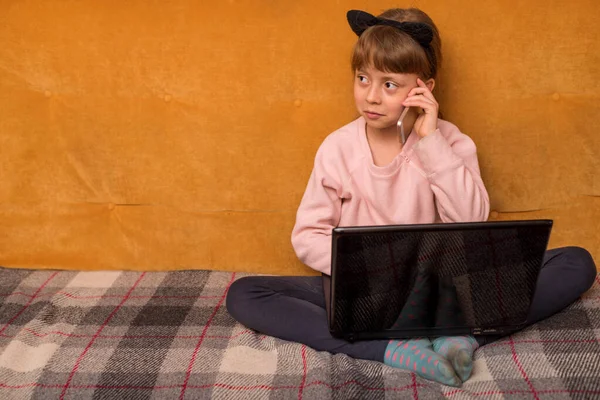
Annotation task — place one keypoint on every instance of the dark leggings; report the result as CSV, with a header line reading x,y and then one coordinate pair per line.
x,y
293,308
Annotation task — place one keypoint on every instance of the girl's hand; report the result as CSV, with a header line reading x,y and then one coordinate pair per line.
x,y
421,97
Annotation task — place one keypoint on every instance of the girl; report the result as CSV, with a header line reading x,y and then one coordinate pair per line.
x,y
364,175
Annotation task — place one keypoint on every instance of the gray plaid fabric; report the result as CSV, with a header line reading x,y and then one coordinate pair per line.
x,y
167,335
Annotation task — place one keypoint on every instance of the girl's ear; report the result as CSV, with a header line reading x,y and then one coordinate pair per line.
x,y
430,84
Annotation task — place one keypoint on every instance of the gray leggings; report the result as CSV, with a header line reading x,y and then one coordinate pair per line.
x,y
293,308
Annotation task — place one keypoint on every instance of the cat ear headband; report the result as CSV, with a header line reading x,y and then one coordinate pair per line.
x,y
359,22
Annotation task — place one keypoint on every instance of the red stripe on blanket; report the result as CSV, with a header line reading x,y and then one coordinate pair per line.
x,y
74,335
87,387
521,369
106,296
195,353
314,383
212,385
354,382
414,386
304,368
543,341
87,348
28,303
505,392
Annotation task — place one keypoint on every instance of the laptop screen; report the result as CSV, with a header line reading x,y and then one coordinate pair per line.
x,y
435,277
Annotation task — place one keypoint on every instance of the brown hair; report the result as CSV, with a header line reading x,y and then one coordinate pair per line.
x,y
392,50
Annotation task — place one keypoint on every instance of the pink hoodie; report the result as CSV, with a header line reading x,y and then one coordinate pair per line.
x,y
434,179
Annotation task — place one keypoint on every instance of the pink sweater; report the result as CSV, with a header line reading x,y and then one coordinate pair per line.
x,y
434,179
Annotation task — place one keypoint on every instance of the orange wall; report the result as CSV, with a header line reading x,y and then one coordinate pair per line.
x,y
181,134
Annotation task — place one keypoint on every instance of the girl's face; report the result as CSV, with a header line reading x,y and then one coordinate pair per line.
x,y
379,96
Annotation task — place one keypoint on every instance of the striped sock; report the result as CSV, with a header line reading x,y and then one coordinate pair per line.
x,y
418,356
459,351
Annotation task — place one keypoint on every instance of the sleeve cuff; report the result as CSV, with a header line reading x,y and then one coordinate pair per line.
x,y
435,153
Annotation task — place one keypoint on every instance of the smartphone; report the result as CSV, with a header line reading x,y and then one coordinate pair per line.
x,y
400,125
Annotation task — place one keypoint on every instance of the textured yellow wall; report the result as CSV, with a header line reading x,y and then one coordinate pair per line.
x,y
180,134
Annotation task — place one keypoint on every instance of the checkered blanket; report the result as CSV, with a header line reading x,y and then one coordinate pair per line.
x,y
167,335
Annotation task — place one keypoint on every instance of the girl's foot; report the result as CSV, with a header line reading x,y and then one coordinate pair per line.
x,y
458,350
417,356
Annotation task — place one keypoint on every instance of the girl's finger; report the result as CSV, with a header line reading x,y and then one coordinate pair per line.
x,y
417,90
422,102
425,92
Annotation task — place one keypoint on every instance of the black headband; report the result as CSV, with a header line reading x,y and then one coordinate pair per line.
x,y
359,22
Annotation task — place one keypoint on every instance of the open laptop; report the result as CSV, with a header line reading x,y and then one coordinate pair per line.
x,y
405,281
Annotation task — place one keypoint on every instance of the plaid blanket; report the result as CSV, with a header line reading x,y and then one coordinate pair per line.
x,y
167,335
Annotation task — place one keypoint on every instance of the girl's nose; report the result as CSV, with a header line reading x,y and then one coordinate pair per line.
x,y
373,95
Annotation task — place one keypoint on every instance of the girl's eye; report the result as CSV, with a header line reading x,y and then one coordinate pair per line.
x,y
391,85
362,79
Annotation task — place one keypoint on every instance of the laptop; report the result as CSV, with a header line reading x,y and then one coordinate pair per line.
x,y
402,281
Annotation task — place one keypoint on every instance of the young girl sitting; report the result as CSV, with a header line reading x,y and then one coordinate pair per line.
x,y
364,175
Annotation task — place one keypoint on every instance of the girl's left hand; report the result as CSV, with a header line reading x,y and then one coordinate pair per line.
x,y
422,97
